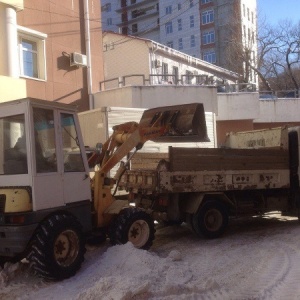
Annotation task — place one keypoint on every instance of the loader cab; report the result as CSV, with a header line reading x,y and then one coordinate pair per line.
x,y
36,169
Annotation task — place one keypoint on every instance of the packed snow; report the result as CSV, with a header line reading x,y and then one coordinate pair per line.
x,y
257,258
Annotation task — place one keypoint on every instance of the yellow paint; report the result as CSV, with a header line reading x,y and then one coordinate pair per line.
x,y
17,200
102,199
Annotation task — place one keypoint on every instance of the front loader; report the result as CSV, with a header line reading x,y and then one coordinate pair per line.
x,y
49,203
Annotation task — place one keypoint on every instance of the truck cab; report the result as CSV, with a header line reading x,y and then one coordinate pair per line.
x,y
38,175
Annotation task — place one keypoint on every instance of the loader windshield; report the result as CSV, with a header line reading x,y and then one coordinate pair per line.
x,y
13,151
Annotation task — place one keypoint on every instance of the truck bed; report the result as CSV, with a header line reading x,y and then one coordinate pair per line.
x,y
214,169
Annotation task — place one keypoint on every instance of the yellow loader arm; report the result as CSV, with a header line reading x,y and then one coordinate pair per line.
x,y
180,123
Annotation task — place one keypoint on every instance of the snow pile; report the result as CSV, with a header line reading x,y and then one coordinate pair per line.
x,y
137,274
255,259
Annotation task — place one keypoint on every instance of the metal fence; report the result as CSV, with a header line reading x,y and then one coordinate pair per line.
x,y
164,79
285,94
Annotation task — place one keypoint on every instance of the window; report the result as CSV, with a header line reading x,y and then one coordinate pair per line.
x,y
180,44
137,13
191,3
193,41
189,77
168,10
73,161
108,7
175,73
207,17
252,17
179,6
205,1
170,44
134,28
210,57
32,53
244,10
45,148
208,37
248,14
13,150
179,23
165,71
192,21
109,21
169,27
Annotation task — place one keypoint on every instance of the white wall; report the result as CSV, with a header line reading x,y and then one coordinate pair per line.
x,y
154,96
278,110
238,106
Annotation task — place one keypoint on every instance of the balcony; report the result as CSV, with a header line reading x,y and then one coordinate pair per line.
x,y
136,5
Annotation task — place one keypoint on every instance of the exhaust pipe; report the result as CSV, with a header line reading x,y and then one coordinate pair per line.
x,y
184,123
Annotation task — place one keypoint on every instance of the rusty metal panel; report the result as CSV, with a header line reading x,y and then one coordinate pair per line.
x,y
220,159
141,180
273,137
208,181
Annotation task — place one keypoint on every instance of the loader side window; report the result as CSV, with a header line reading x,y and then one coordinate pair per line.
x,y
73,161
13,150
44,140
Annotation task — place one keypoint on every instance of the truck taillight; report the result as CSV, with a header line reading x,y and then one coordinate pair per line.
x,y
17,219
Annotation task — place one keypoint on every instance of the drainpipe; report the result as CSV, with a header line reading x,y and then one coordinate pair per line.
x,y
12,42
88,52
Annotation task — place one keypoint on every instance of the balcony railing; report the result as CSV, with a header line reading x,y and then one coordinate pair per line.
x,y
284,94
168,79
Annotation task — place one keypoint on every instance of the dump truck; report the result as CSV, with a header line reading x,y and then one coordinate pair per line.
x,y
256,172
55,194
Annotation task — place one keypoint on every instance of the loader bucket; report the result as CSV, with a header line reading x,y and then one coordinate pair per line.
x,y
184,123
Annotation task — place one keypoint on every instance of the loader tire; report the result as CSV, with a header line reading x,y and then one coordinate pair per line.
x,y
211,219
136,226
58,248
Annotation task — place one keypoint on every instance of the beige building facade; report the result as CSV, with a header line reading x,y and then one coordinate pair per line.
x,y
51,50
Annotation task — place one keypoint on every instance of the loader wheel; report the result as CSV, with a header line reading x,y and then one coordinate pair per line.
x,y
136,226
58,248
211,220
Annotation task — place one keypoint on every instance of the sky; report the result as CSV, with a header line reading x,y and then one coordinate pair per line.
x,y
276,10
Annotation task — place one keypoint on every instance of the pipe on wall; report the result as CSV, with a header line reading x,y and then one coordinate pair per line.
x,y
88,52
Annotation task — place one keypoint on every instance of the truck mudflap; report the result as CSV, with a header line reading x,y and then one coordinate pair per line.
x,y
14,239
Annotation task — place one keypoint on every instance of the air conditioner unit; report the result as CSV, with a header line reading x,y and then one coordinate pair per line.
x,y
78,59
157,63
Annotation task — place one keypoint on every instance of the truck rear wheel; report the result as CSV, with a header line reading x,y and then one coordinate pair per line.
x,y
135,226
211,220
58,248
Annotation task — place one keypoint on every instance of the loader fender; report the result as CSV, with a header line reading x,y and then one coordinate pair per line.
x,y
192,203
116,207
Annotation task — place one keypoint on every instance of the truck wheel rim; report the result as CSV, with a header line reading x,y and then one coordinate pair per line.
x,y
213,220
66,248
138,233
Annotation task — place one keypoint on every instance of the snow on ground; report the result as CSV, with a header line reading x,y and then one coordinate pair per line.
x,y
256,259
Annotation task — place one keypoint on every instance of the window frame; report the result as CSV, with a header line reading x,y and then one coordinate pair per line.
x,y
207,17
192,21
210,54
39,39
169,10
208,37
179,24
169,27
180,43
193,41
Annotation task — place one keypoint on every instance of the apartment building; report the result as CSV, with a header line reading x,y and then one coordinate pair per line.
x,y
222,32
51,50
151,63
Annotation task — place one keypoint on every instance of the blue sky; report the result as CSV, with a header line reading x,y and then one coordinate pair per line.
x,y
276,10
